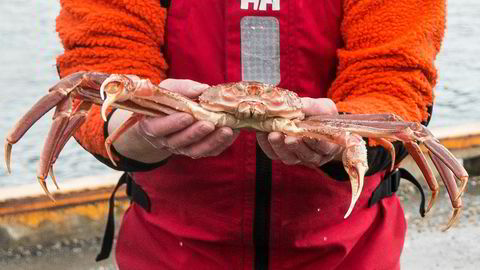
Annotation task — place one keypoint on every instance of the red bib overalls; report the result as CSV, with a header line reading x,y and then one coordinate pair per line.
x,y
203,211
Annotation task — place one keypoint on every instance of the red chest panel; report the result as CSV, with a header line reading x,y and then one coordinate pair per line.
x,y
204,41
202,210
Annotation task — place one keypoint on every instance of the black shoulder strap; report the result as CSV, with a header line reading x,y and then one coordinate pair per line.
x,y
165,3
137,195
390,184
110,229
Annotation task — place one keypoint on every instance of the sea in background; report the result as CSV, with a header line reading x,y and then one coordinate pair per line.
x,y
29,44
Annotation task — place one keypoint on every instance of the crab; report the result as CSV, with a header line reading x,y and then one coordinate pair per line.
x,y
241,105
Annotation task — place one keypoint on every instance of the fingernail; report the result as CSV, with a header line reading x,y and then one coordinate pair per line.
x,y
274,138
273,141
144,127
291,141
226,132
200,87
186,120
147,120
206,127
292,162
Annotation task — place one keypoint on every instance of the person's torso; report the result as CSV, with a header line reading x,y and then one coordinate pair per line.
x,y
205,207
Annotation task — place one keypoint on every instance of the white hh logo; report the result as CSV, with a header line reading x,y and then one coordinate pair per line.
x,y
261,4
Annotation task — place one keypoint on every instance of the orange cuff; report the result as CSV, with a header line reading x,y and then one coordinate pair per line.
x,y
121,36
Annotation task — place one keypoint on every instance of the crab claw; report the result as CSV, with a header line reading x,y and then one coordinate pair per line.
x,y
445,158
43,183
390,148
54,179
8,154
452,189
106,104
355,162
113,89
416,153
453,219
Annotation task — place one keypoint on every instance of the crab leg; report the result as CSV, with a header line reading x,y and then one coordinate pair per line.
x,y
74,122
118,88
427,172
40,108
406,131
65,122
78,117
354,156
447,159
356,117
398,130
56,94
142,93
60,96
419,132
375,125
354,160
449,181
390,148
60,121
130,122
52,175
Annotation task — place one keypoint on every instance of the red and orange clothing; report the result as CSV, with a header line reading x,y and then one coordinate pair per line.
x,y
368,56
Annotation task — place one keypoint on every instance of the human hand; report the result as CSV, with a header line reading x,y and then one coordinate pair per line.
x,y
309,152
154,139
179,133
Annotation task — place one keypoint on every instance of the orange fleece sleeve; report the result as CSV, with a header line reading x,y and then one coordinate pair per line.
x,y
112,36
387,64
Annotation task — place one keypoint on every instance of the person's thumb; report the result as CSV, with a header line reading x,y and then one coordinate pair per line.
x,y
318,106
186,88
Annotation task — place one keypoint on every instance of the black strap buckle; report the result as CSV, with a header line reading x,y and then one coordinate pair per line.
x,y
137,195
390,184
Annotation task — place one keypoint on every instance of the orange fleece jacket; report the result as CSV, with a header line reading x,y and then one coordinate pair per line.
x,y
386,66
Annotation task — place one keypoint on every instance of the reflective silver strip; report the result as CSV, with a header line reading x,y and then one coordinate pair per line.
x,y
260,49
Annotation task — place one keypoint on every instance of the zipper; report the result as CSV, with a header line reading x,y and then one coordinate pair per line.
x,y
261,219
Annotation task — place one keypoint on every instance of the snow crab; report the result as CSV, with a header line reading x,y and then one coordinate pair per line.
x,y
242,105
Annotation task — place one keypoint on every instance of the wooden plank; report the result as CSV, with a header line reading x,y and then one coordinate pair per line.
x,y
85,190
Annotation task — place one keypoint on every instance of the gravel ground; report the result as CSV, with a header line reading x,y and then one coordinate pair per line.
x,y
426,247
71,254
